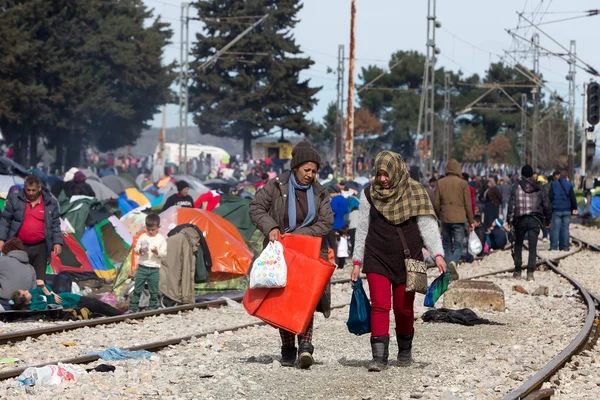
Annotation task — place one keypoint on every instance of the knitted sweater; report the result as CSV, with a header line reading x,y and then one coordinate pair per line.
x,y
428,229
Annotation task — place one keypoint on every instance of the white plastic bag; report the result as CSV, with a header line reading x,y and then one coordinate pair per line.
x,y
269,270
475,246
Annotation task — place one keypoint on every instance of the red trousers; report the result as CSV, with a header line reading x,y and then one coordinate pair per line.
x,y
382,290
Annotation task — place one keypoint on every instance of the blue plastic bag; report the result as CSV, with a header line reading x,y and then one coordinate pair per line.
x,y
359,321
436,289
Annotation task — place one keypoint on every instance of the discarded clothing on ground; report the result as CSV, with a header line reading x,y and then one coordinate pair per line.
x,y
116,354
102,368
463,316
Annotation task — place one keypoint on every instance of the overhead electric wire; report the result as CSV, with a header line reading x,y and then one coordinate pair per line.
x,y
591,70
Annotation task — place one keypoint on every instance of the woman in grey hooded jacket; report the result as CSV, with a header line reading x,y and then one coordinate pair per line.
x,y
15,271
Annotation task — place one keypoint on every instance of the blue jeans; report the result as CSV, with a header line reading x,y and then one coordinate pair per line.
x,y
559,231
452,240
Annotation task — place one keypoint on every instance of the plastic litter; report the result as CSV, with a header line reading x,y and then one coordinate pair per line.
x,y
50,375
9,360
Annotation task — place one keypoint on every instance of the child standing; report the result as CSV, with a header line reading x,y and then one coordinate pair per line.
x,y
151,247
342,248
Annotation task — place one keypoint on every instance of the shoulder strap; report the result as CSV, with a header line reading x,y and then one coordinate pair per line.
x,y
403,240
564,190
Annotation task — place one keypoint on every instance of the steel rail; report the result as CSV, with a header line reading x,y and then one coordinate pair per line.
x,y
152,347
543,375
18,336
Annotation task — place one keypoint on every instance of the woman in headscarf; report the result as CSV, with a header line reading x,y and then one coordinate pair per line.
x,y
295,203
492,198
394,202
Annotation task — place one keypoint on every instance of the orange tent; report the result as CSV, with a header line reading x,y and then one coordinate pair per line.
x,y
228,250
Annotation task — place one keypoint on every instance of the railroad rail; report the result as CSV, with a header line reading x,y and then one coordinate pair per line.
x,y
19,336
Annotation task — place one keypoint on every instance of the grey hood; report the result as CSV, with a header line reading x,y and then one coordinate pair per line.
x,y
19,255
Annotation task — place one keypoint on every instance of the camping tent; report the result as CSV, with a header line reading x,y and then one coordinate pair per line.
x,y
90,175
229,252
116,183
7,181
134,222
230,255
9,167
106,250
74,260
101,190
237,211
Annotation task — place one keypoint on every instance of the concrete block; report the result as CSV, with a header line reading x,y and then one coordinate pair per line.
x,y
482,295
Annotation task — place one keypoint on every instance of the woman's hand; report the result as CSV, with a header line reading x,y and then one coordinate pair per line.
x,y
355,273
274,235
441,264
57,298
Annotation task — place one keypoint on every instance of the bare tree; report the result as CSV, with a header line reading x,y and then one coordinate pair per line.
x,y
552,145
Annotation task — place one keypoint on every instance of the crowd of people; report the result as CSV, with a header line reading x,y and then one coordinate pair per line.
x,y
371,228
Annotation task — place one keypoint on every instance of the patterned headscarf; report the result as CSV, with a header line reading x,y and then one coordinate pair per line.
x,y
405,197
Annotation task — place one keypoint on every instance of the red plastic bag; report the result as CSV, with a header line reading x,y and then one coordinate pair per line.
x,y
293,306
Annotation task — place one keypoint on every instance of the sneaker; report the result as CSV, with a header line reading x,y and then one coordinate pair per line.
x,y
305,357
517,275
306,360
530,278
544,240
453,272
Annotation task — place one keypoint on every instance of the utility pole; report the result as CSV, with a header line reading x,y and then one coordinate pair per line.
x,y
447,117
349,148
339,115
523,128
426,111
584,130
183,86
571,130
162,135
536,92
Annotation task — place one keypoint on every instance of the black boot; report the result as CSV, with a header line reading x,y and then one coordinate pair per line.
x,y
288,356
305,354
380,347
404,349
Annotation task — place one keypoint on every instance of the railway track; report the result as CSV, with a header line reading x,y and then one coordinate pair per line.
x,y
528,388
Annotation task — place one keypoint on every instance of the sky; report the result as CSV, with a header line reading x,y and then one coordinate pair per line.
x,y
471,36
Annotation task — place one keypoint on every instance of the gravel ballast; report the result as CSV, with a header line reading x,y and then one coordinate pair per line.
x,y
580,378
451,361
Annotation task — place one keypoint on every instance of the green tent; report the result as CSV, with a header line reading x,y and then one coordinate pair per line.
x,y
237,211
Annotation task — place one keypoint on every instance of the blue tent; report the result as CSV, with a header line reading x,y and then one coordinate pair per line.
x,y
95,253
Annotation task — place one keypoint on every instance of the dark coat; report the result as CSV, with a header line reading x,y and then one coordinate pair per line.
x,y
268,209
539,204
82,189
14,213
562,195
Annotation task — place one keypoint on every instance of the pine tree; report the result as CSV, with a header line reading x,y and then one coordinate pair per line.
x,y
255,87
84,72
